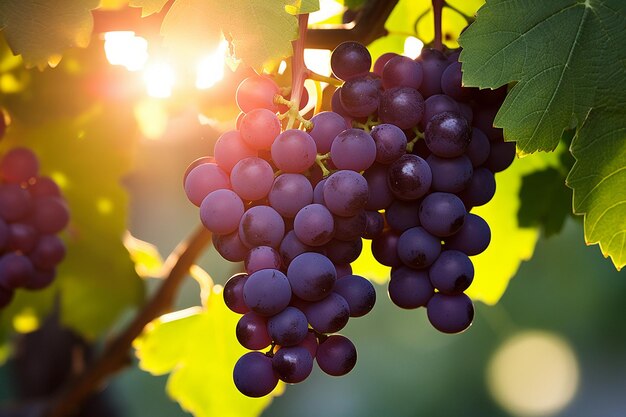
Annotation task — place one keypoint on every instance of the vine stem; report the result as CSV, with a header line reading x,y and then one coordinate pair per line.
x,y
437,10
116,354
299,71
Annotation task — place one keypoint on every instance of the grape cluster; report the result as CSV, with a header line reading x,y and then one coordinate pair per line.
x,y
32,212
401,160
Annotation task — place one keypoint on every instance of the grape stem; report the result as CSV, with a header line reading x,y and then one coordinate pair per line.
x,y
367,126
116,354
437,9
319,160
418,135
322,78
299,72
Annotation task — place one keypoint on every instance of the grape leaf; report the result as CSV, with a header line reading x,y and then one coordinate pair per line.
x,y
41,31
566,56
598,179
148,7
199,349
191,26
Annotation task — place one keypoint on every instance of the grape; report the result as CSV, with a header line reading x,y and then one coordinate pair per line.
x,y
293,364
360,96
447,135
417,248
450,313
374,224
203,180
221,211
252,178
259,128
343,270
353,149
261,226
289,327
451,83
312,276
358,292
385,248
294,151
262,257
483,120
48,252
472,238
390,142
290,193
501,155
15,202
401,106
230,148
22,237
50,214
18,165
403,215
257,92
338,108
230,246
350,228
15,270
379,194
349,60
478,149
44,187
433,65
310,343
6,294
402,71
442,214
452,272
450,174
336,355
267,292
466,111
318,192
314,225
410,288
239,118
291,247
328,315
342,252
409,178
480,189
254,375
40,279
251,331
326,126
488,96
233,293
436,104
345,193
4,234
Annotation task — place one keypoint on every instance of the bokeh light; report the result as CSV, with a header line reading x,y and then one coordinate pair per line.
x,y
412,47
211,68
533,374
159,78
126,49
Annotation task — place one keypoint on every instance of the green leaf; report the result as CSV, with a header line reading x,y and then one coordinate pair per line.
x,y
302,6
566,56
199,349
598,179
148,7
546,201
42,30
145,256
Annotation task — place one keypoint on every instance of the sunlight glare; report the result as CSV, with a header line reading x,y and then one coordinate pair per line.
x,y
125,49
412,47
159,78
328,9
318,60
211,68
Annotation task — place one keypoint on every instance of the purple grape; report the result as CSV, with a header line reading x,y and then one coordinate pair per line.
x,y
478,149
450,313
252,178
18,165
336,355
221,211
314,225
402,71
472,238
374,225
358,292
48,252
483,120
338,108
267,292
452,272
350,228
15,202
326,126
409,178
417,248
447,135
22,238
261,226
353,149
40,279
257,92
233,293
294,151
454,56
390,142
350,59
466,111
310,343
293,364
342,252
433,63
450,175
451,83
15,270
259,128
312,276
318,192
379,194
385,248
203,180
4,234
345,193
360,96
289,327
44,187
401,106
291,247
328,315
6,294
491,97
480,189
381,61
290,193
254,375
501,156
230,148
442,214
436,104
343,270
403,215
262,257
251,331
230,247
410,288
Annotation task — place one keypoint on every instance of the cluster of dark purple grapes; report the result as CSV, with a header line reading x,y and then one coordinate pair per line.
x,y
294,206
32,212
